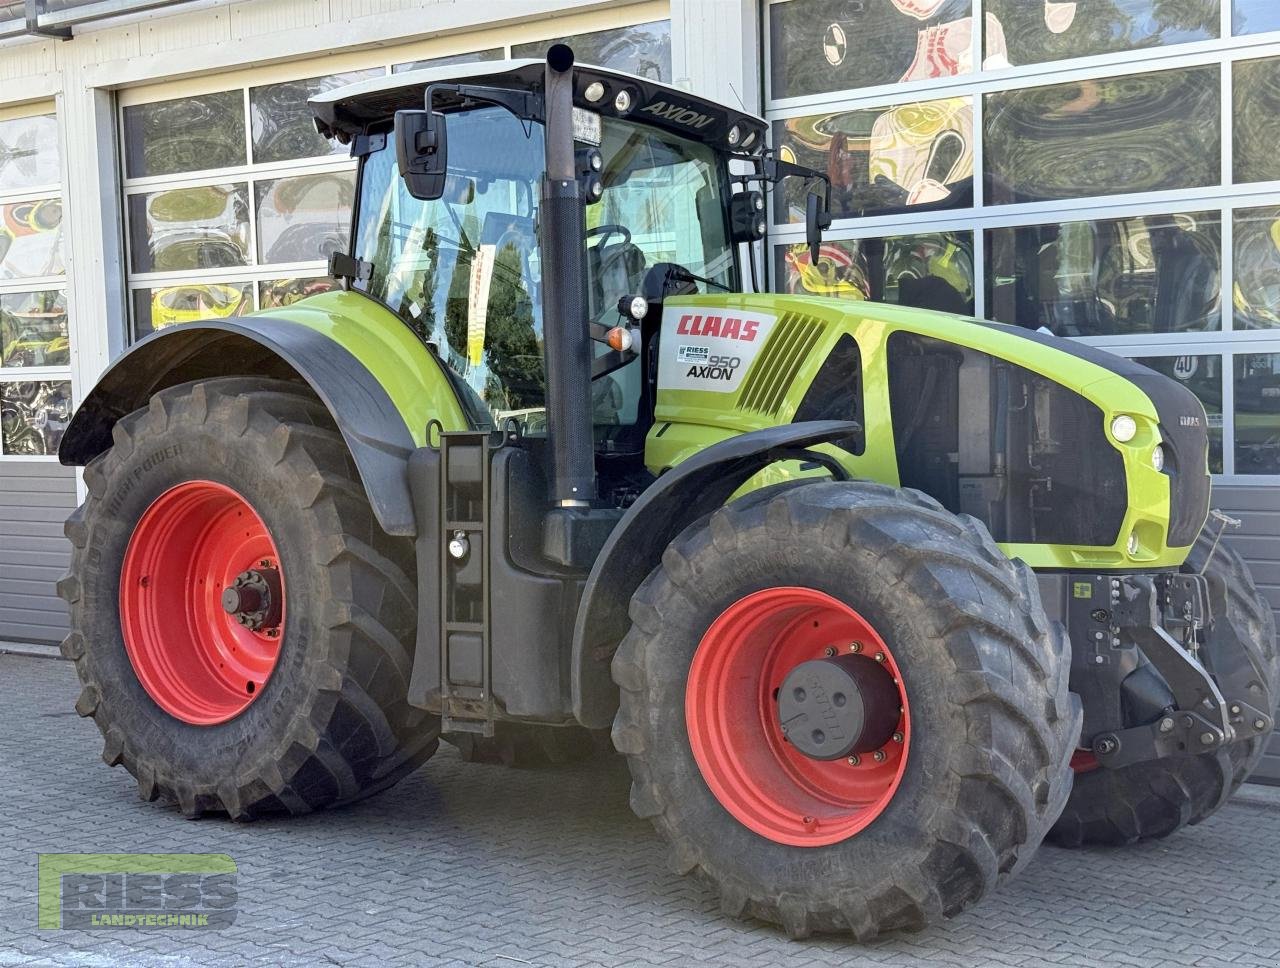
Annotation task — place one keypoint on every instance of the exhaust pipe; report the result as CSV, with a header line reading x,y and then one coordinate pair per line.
x,y
564,298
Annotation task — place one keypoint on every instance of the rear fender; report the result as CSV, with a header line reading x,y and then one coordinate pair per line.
x,y
379,382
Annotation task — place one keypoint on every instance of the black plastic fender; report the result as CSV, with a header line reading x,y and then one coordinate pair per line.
x,y
373,428
679,497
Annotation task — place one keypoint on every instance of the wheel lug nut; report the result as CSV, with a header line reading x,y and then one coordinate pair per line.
x,y
897,737
879,756
855,759
879,656
829,651
855,647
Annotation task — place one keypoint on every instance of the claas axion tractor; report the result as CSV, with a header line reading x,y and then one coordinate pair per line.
x,y
874,599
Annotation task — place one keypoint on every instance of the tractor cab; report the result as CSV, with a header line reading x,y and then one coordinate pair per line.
x,y
450,235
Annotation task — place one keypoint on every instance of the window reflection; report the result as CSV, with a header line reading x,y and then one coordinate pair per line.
x,y
909,157
33,416
166,306
1152,274
33,329
1256,106
1202,375
1032,31
305,218
644,49
1255,16
274,293
1109,136
832,45
185,134
29,153
281,122
929,271
189,228
1257,417
1256,300
31,239
451,60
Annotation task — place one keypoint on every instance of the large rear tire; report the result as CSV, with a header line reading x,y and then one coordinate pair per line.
x,y
961,795
217,711
1154,799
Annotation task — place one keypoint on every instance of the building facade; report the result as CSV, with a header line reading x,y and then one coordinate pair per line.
x,y
1104,169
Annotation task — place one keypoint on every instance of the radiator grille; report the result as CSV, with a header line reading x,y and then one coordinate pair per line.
x,y
766,386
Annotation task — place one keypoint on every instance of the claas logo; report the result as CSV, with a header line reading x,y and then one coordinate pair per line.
x,y
728,327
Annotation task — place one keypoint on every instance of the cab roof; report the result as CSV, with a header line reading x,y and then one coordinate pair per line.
x,y
348,111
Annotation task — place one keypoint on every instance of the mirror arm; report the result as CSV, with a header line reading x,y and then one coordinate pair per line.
x,y
525,105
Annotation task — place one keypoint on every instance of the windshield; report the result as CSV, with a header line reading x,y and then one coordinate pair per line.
x,y
464,272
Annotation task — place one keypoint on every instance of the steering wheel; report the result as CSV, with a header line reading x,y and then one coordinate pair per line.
x,y
608,230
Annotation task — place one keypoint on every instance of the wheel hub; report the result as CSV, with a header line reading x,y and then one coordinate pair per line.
x,y
832,707
253,599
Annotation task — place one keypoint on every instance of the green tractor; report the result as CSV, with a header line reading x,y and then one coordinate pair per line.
x,y
874,599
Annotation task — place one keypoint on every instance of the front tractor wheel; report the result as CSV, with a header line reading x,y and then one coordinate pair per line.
x,y
845,708
242,626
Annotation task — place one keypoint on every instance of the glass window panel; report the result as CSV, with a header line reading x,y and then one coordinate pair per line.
x,y
1202,375
1257,426
33,329
185,134
1256,106
164,306
1150,274
273,293
914,157
304,218
31,239
29,153
189,228
644,49
281,122
1109,136
835,45
1255,16
930,271
1256,243
451,60
1032,31
33,416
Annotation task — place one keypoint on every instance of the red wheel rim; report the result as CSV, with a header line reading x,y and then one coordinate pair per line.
x,y
761,779
194,659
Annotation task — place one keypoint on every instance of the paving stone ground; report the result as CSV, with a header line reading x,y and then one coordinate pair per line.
x,y
477,865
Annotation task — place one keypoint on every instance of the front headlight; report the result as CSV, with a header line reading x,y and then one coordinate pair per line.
x,y
1124,428
1157,457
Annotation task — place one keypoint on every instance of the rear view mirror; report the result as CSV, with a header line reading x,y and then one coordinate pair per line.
x,y
422,152
816,220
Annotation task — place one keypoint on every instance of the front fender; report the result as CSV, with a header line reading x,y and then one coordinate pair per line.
x,y
691,489
380,386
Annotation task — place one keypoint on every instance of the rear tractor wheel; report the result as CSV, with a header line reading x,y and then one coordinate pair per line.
x,y
844,708
242,626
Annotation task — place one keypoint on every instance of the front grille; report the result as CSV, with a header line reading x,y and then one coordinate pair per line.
x,y
1186,456
766,386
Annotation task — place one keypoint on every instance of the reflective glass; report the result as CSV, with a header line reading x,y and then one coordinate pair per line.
x,y
274,293
1032,31
1202,375
451,60
834,45
304,218
929,271
33,416
1257,426
1109,136
1151,274
281,122
1256,107
189,228
185,134
29,153
165,306
1256,243
31,239
644,49
913,157
1255,16
33,329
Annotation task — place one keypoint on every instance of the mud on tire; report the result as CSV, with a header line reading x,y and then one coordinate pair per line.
x,y
992,721
1147,800
331,724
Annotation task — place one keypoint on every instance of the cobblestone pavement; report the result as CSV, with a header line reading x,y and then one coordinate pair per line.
x,y
478,865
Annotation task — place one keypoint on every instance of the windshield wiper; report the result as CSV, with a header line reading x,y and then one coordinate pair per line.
x,y
684,275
